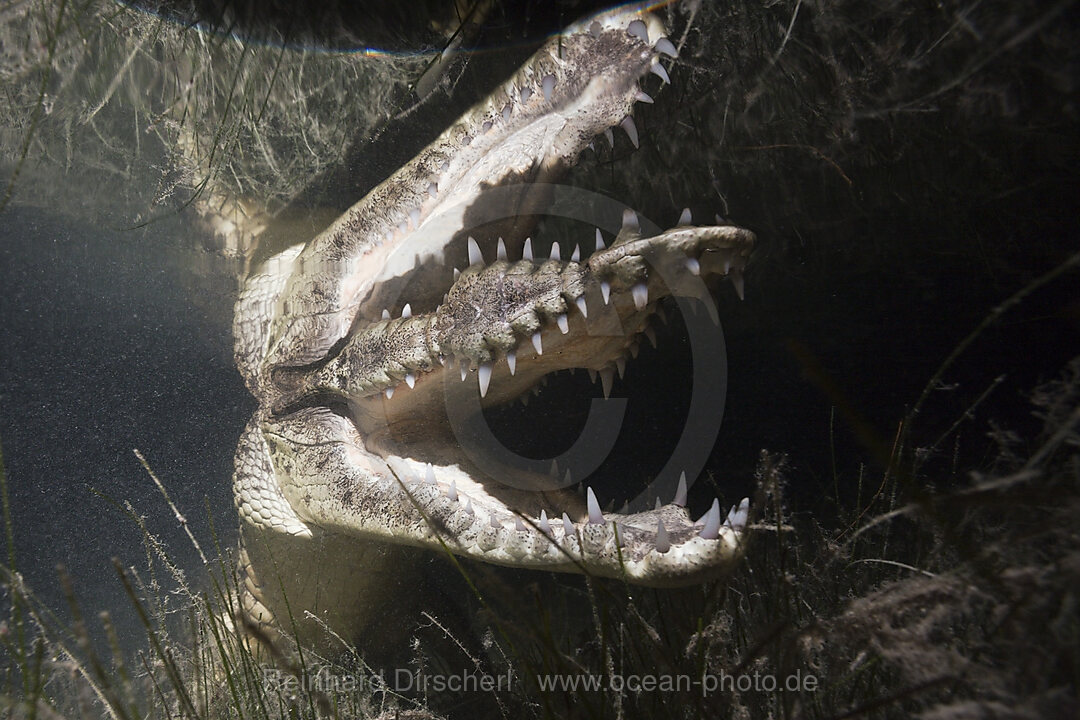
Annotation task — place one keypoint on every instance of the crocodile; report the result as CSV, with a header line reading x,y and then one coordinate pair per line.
x,y
427,301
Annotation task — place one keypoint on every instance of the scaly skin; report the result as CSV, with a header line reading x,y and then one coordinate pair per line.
x,y
350,460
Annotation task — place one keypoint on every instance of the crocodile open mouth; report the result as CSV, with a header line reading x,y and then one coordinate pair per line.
x,y
374,348
413,384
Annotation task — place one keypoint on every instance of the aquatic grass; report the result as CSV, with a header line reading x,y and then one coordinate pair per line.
x,y
120,98
969,578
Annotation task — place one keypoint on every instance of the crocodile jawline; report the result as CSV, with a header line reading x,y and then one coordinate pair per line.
x,y
358,343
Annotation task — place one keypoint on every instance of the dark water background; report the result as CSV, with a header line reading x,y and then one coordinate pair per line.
x,y
104,350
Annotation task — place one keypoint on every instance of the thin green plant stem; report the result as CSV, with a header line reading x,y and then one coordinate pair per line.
x,y
166,658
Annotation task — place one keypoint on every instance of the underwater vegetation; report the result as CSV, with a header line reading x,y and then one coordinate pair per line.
x,y
909,601
902,406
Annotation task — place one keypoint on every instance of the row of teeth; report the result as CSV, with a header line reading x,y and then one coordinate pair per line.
x,y
639,292
710,523
412,219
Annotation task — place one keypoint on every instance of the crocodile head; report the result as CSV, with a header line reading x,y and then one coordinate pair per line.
x,y
373,348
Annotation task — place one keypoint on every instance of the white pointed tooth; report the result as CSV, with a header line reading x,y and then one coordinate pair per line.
x,y
658,505
433,189
457,274
544,526
506,112
403,228
548,85
576,255
592,375
483,373
568,479
464,370
663,544
592,146
641,295
620,365
385,314
414,216
637,29
658,70
630,219
468,507
526,251
607,378
389,392
511,361
555,255
711,531
595,516
605,290
651,334
643,96
599,240
693,266
609,137
663,45
635,348
500,251
429,474
406,312
680,492
518,525
686,218
451,492
628,125
737,280
410,380
738,515
494,523
582,306
475,256
563,323
526,93
537,343
567,526
553,471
